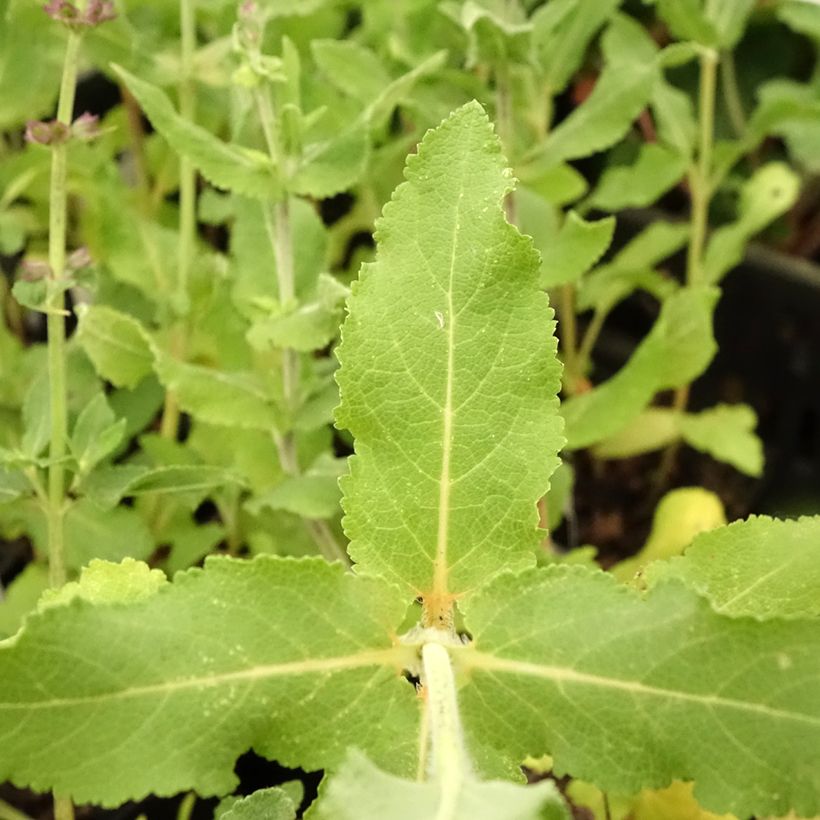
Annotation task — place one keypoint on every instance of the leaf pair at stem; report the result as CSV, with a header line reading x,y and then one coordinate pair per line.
x,y
448,382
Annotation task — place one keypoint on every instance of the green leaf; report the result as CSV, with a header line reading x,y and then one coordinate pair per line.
x,y
760,568
92,531
219,396
768,194
675,118
224,165
21,596
677,350
447,377
350,67
578,246
681,515
574,663
311,496
725,432
621,92
107,486
96,434
117,344
292,658
12,485
332,165
308,326
362,791
562,30
103,582
264,804
687,20
654,172
729,18
800,16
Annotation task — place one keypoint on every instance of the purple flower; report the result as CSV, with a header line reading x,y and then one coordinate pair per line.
x,y
52,132
86,127
69,14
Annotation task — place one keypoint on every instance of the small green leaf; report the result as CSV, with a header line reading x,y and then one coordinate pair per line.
x,y
310,496
447,373
117,344
332,164
21,595
654,172
562,30
725,432
621,92
220,397
574,662
264,804
308,326
350,67
688,20
770,192
12,485
103,582
362,791
760,568
92,531
675,118
681,515
108,485
292,658
225,165
96,434
578,246
677,349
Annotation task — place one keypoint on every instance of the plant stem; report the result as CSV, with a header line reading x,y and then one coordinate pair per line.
x,y
169,424
56,320
280,232
700,175
590,337
186,806
700,185
8,812
731,93
504,117
569,336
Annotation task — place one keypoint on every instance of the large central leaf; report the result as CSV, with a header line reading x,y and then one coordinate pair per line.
x,y
448,378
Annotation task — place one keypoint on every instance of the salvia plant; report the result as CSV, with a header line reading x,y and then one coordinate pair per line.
x,y
287,300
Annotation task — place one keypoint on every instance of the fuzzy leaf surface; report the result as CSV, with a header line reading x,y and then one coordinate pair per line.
x,y
294,659
733,704
762,568
448,376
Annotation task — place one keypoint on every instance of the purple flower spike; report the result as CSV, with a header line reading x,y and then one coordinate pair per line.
x,y
99,11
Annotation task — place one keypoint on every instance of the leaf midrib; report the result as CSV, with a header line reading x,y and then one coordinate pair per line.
x,y
377,657
487,662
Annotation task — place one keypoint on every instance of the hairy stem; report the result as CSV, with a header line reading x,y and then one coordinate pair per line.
x,y
56,320
450,766
280,232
